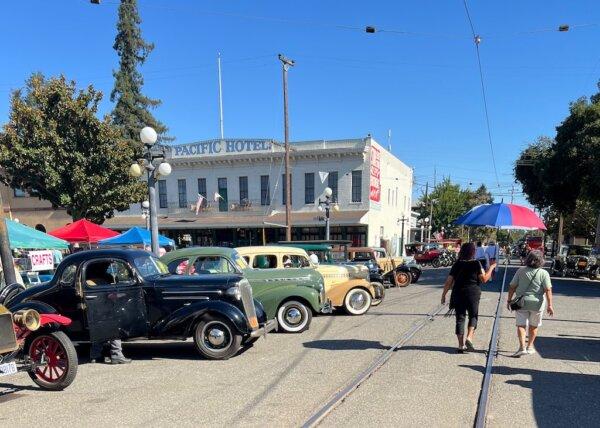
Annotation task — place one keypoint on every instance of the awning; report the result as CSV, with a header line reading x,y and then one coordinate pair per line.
x,y
227,221
27,238
136,236
83,231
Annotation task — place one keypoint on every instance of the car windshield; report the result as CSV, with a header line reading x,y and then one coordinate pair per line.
x,y
149,266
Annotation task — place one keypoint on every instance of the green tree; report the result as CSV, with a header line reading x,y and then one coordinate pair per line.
x,y
132,108
55,147
580,222
450,201
532,171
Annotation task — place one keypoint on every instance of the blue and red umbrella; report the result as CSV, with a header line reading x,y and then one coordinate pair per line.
x,y
503,216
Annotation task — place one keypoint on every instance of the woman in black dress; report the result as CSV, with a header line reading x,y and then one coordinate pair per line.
x,y
465,279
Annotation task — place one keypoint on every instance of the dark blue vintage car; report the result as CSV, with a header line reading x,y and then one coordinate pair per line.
x,y
129,294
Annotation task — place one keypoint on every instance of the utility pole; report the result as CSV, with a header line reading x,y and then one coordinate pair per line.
x,y
220,96
8,267
286,64
512,194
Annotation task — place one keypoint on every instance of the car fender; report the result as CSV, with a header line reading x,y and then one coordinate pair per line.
x,y
275,298
182,321
41,307
337,293
375,277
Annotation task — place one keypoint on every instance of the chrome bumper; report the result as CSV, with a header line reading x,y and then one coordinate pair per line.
x,y
270,325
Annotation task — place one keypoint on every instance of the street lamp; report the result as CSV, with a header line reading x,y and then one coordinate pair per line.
x,y
328,203
402,220
149,137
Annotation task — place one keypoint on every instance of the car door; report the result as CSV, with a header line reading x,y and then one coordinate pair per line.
x,y
100,293
130,303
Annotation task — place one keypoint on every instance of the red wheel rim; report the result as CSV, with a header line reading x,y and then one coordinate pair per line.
x,y
51,357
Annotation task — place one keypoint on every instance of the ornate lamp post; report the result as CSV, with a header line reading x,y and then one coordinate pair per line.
x,y
423,223
402,220
148,137
327,204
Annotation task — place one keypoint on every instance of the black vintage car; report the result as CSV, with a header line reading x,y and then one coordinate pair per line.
x,y
129,294
576,260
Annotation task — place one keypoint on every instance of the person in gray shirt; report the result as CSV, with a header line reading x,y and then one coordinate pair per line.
x,y
532,282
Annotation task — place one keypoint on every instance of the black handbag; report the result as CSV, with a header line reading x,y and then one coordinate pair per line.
x,y
518,302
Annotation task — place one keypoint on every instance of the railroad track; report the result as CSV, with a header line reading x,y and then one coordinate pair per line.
x,y
480,417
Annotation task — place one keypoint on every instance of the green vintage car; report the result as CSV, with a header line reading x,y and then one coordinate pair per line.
x,y
290,295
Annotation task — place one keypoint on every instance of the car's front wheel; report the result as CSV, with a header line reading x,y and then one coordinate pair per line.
x,y
293,317
403,278
216,338
357,301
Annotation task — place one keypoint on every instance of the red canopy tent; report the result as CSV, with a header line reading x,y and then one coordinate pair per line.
x,y
83,231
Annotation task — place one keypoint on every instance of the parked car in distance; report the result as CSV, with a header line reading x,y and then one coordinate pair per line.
x,y
425,253
129,294
346,285
393,269
291,296
576,260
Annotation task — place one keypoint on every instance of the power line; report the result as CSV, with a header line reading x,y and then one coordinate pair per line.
x,y
477,40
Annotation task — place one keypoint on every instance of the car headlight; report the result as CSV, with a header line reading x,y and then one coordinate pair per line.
x,y
234,292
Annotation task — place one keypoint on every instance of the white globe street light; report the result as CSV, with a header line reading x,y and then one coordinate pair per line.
x,y
328,192
148,136
327,205
164,169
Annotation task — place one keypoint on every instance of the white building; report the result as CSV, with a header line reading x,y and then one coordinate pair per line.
x,y
372,187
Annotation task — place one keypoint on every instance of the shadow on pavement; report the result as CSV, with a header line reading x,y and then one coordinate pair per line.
x,y
568,348
345,345
444,349
559,399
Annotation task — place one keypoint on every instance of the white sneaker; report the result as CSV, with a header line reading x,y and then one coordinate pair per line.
x,y
519,353
531,350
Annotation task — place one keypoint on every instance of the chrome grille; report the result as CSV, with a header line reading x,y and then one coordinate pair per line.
x,y
247,300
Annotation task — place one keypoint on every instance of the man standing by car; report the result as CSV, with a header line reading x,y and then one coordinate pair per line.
x,y
115,350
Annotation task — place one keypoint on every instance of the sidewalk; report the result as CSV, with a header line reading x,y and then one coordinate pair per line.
x,y
560,386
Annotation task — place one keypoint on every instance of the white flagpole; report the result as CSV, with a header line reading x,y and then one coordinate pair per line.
x,y
220,96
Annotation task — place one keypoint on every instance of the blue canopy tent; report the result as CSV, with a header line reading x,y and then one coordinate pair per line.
x,y
136,236
27,238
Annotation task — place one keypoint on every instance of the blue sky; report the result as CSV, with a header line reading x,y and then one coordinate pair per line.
x,y
424,85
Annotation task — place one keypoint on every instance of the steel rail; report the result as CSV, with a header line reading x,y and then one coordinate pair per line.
x,y
342,394
482,405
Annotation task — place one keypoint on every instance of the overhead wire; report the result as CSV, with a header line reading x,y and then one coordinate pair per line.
x,y
477,40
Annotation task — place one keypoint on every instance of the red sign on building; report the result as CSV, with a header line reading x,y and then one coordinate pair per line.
x,y
375,188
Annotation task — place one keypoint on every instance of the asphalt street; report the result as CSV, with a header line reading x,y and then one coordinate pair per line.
x,y
283,379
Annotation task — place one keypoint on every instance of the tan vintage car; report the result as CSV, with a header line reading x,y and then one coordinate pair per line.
x,y
345,286
389,265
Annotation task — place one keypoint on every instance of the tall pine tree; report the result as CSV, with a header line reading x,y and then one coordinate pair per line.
x,y
132,108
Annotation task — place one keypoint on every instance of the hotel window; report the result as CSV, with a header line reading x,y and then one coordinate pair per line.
x,y
202,187
222,189
265,194
162,194
309,188
182,192
357,186
243,188
332,183
283,188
